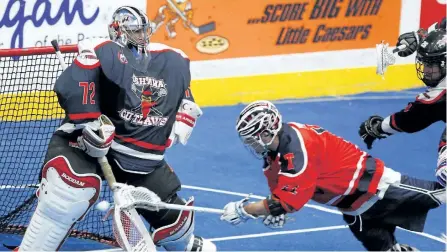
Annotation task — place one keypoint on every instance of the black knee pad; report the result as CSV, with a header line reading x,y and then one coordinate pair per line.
x,y
163,217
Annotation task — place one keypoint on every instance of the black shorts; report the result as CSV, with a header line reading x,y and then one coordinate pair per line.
x,y
163,180
405,205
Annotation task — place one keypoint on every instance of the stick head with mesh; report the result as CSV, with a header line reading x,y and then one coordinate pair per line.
x,y
130,232
384,58
128,228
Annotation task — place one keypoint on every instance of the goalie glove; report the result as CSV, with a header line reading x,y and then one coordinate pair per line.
x,y
234,213
96,141
275,222
185,120
371,130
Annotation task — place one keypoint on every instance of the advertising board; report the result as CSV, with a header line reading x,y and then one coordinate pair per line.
x,y
232,28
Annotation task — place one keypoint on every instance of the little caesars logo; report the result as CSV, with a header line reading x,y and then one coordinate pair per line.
x,y
150,92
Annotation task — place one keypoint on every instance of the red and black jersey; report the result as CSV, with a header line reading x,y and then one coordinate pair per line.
x,y
313,163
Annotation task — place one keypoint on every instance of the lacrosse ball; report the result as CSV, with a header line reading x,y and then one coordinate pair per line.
x,y
103,206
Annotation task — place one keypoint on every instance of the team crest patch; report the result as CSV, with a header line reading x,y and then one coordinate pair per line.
x,y
150,91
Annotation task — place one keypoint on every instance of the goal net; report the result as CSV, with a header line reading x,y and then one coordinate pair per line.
x,y
29,114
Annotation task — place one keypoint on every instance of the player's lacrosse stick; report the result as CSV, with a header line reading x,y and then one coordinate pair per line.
x,y
385,58
129,230
140,197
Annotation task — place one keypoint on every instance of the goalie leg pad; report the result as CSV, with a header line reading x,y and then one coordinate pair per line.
x,y
64,198
179,234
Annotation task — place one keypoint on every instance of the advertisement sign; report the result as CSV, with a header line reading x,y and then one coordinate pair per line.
x,y
37,22
432,11
218,29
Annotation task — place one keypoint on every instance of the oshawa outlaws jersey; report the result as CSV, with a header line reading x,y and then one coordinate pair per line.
x,y
312,163
142,104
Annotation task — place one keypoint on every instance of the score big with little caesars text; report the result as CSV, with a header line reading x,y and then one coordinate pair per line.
x,y
317,14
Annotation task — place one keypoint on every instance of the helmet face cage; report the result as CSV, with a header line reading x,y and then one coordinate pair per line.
x,y
431,58
130,26
256,120
431,70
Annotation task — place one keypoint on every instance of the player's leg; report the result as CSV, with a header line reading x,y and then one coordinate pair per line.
x,y
69,186
374,235
172,229
404,205
413,199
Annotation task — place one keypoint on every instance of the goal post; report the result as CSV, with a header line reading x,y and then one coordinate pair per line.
x,y
29,114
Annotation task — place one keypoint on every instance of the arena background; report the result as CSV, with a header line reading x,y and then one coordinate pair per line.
x,y
314,58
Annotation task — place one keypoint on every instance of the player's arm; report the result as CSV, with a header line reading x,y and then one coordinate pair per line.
x,y
188,111
296,183
78,94
417,116
295,187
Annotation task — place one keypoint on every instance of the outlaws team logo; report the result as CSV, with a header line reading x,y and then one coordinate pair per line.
x,y
150,92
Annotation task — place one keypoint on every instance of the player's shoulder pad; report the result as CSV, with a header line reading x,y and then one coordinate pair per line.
x,y
432,96
159,48
293,151
87,49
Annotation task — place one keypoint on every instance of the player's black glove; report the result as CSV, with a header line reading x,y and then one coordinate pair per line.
x,y
371,130
411,40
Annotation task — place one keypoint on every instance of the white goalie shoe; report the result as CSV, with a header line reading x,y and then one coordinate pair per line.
x,y
201,244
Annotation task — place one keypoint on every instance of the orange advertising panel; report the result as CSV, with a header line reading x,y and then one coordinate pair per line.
x,y
216,29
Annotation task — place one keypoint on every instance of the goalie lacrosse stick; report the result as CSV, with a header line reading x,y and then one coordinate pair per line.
x,y
128,228
384,57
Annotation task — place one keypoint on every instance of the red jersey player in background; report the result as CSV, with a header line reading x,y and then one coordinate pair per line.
x,y
304,162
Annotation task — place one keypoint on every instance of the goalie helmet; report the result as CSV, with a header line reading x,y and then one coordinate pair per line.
x,y
130,27
258,121
431,58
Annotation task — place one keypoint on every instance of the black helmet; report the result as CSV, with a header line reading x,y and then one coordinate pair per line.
x,y
431,58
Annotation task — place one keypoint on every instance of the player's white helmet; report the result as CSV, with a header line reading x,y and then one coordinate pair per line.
x,y
256,119
130,27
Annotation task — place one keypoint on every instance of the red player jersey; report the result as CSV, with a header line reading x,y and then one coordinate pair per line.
x,y
312,163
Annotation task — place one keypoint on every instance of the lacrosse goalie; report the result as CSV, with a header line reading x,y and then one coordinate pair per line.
x,y
127,101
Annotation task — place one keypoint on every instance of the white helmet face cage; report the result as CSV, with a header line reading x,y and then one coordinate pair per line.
x,y
256,119
130,26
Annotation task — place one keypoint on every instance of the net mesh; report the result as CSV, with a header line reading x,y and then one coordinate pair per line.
x,y
29,114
